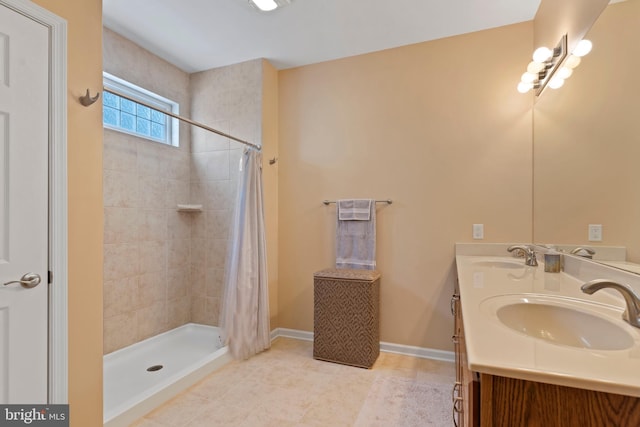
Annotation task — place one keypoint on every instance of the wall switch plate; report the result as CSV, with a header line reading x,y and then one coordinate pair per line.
x,y
478,231
595,232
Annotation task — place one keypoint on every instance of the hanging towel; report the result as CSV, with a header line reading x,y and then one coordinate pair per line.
x,y
354,210
356,234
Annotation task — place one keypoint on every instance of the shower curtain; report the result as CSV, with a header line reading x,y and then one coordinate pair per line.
x,y
244,318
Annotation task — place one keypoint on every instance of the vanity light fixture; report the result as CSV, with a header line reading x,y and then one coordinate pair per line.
x,y
572,61
541,70
268,5
548,68
583,48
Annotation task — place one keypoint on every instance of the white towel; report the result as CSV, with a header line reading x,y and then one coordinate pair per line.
x,y
354,210
356,235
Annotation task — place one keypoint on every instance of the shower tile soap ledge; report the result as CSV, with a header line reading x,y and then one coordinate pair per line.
x,y
190,208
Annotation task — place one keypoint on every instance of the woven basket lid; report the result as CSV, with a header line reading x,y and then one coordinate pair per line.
x,y
348,274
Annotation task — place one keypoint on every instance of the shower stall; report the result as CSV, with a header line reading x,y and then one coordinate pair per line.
x,y
164,266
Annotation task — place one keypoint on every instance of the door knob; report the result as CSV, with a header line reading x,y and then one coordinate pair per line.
x,y
29,280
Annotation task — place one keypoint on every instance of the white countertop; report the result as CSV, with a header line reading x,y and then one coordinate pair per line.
x,y
624,265
494,348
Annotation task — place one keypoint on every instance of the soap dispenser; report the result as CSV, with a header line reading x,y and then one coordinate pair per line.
x,y
552,261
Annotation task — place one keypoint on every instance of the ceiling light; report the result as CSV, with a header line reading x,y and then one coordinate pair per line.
x,y
264,5
268,5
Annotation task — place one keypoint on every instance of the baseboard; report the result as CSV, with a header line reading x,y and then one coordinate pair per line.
x,y
407,350
422,352
291,333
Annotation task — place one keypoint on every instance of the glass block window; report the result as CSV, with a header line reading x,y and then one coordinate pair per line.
x,y
135,118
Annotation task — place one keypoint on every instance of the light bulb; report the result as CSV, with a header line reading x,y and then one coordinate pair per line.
x,y
556,82
564,73
528,78
265,5
524,87
572,62
542,54
583,47
535,67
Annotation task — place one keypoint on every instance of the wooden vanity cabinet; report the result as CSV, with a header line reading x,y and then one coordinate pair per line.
x,y
484,400
466,390
508,402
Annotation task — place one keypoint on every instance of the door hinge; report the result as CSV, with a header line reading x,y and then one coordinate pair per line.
x,y
50,276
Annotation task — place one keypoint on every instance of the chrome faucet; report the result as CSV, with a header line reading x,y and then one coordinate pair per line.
x,y
590,252
525,251
632,313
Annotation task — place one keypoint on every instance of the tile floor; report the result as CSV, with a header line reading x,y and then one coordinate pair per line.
x,y
286,387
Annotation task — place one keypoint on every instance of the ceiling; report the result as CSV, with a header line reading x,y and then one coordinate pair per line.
x,y
197,35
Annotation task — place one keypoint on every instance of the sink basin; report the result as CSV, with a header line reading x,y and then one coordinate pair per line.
x,y
562,321
499,264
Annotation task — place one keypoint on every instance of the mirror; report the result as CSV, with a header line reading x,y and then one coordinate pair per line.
x,y
587,142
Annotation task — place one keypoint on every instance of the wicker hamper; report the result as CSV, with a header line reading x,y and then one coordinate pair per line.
x,y
346,320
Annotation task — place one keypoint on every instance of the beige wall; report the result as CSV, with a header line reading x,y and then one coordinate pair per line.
x,y
439,128
270,180
147,270
85,208
572,17
586,142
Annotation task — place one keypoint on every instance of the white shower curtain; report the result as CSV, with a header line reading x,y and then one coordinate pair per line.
x,y
244,318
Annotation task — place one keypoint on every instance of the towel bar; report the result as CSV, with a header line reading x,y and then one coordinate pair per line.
x,y
388,201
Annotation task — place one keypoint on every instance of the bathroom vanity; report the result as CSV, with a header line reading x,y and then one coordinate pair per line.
x,y
533,350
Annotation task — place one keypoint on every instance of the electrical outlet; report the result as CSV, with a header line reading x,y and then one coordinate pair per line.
x,y
478,279
478,231
595,232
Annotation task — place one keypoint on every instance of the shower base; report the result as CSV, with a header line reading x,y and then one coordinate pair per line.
x,y
141,377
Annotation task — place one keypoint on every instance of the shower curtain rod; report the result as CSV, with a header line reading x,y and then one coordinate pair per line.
x,y
184,119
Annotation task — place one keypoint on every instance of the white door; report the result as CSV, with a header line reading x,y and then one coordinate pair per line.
x,y
24,100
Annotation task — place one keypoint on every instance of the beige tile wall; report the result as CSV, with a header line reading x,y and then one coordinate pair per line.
x,y
165,268
147,242
229,99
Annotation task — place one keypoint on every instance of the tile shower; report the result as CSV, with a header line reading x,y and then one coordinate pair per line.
x,y
164,268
